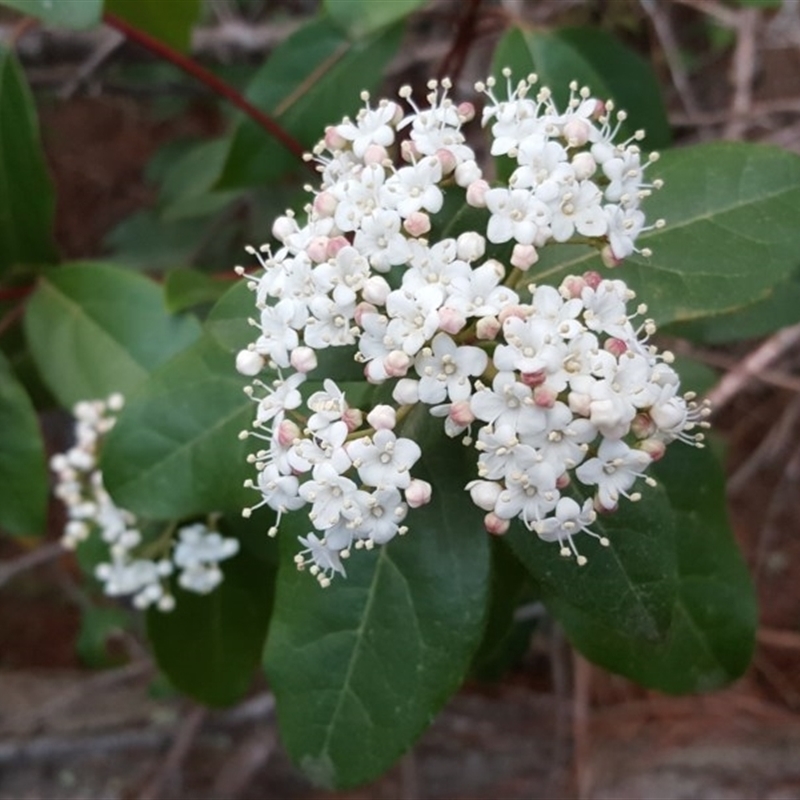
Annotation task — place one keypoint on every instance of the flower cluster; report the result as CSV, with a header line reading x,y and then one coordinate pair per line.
x,y
132,568
551,385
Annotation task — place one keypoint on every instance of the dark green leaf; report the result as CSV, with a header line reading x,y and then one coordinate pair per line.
x,y
227,322
175,450
363,17
94,329
311,80
67,13
595,59
186,288
711,639
23,470
171,22
628,587
26,192
731,232
210,645
360,669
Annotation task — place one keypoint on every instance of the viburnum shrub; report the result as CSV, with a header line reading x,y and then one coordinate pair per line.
x,y
547,385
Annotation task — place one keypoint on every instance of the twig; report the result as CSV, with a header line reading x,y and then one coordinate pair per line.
x,y
710,8
743,70
241,766
409,777
107,45
580,725
754,366
169,770
33,558
785,640
210,80
453,62
663,28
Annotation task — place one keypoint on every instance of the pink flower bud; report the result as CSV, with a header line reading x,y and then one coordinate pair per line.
x,y
325,204
461,413
249,363
417,223
396,364
487,328
317,249
592,279
495,525
303,359
446,159
406,392
465,111
468,172
375,154
608,258
418,493
382,417
376,290
544,397
584,165
524,256
615,346
655,448
563,481
576,132
600,109
361,309
288,433
397,115
572,286
643,426
476,193
533,378
484,493
450,320
333,139
470,246
353,418
517,310
335,244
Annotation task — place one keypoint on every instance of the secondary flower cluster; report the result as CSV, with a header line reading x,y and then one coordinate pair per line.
x,y
130,570
550,385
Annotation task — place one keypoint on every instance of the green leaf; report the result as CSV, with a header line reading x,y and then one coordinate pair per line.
x,y
94,329
779,309
171,22
23,470
187,288
66,13
311,80
210,645
175,450
711,639
595,59
628,587
227,322
26,192
363,17
359,669
731,232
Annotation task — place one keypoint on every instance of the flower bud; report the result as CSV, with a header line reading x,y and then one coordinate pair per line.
x,y
317,249
576,132
382,417
283,228
484,493
593,279
487,328
608,258
335,244
524,256
376,290
353,418
584,166
249,363
476,193
375,154
418,493
446,159
533,378
450,320
563,481
643,426
615,346
325,204
303,359
571,287
406,392
288,432
396,364
470,246
517,310
417,223
495,525
655,448
333,139
409,152
544,397
461,413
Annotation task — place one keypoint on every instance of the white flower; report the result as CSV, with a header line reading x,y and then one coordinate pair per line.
x,y
384,460
372,126
516,214
614,470
508,403
445,369
569,520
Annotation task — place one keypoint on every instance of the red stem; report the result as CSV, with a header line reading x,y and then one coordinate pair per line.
x,y
215,84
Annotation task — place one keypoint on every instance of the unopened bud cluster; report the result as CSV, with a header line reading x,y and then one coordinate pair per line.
x,y
551,385
133,568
